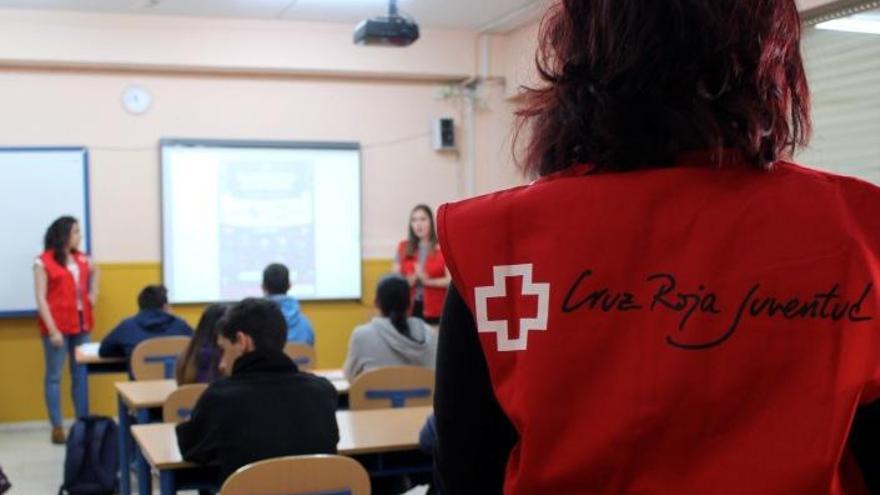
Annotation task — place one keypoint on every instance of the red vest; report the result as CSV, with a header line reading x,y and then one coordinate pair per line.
x,y
435,267
61,294
687,330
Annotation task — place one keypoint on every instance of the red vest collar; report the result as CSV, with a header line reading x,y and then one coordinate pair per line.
x,y
723,158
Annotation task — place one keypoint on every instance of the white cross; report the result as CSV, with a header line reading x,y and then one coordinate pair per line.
x,y
499,290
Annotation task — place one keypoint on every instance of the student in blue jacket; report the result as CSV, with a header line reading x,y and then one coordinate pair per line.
x,y
153,320
276,283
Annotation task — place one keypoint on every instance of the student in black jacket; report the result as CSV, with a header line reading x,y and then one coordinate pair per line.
x,y
152,320
266,407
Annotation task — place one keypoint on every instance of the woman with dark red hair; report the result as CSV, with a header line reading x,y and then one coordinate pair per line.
x,y
672,306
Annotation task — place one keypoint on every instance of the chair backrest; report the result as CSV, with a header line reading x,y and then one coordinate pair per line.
x,y
302,354
392,386
295,475
179,404
154,359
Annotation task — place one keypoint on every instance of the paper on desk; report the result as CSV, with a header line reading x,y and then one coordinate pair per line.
x,y
89,349
332,375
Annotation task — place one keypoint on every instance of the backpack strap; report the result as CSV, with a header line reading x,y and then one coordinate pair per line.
x,y
101,430
75,454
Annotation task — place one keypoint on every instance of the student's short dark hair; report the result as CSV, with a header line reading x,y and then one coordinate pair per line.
x,y
260,319
153,297
276,279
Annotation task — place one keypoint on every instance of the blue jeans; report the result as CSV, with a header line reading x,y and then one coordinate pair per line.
x,y
52,384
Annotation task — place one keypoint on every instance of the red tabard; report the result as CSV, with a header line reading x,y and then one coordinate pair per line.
x,y
435,267
686,330
61,294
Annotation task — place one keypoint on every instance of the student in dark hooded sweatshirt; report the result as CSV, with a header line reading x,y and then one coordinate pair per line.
x,y
391,339
153,320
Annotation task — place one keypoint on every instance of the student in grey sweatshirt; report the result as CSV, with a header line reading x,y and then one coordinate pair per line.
x,y
392,339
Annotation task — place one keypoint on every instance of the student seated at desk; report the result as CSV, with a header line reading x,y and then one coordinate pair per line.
x,y
200,361
266,408
392,339
276,284
153,320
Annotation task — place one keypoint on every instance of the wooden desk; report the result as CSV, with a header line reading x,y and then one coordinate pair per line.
x,y
137,398
87,354
380,430
375,431
337,378
145,394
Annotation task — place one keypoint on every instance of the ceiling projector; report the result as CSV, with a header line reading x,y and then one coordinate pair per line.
x,y
391,30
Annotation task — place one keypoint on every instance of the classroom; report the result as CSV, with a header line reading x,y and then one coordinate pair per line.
x,y
477,247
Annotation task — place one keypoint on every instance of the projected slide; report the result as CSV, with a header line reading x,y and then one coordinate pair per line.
x,y
229,209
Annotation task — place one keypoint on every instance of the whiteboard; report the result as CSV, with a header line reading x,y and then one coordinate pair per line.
x,y
38,186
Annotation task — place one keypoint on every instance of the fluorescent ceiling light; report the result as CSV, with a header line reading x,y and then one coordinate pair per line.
x,y
859,23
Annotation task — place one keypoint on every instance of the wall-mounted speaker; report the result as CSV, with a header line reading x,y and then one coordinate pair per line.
x,y
443,132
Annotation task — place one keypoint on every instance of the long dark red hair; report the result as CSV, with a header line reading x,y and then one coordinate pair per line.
x,y
632,84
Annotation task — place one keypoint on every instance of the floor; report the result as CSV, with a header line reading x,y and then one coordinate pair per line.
x,y
32,464
35,466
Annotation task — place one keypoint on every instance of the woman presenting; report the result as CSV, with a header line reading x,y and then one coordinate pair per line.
x,y
65,282
420,261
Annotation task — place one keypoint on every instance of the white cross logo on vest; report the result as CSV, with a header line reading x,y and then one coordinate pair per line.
x,y
499,290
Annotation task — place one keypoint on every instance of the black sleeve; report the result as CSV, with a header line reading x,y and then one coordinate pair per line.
x,y
111,345
197,437
474,436
428,435
865,444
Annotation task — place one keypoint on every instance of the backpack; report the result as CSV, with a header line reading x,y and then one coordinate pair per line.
x,y
91,462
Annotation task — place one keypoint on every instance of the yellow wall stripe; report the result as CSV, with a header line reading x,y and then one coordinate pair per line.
x,y
21,353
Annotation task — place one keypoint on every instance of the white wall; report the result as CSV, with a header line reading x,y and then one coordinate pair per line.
x,y
390,119
62,75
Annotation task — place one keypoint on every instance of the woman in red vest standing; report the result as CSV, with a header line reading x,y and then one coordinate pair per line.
x,y
420,261
66,288
672,306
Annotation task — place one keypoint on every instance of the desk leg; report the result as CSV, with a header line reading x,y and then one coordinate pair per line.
x,y
166,482
124,447
145,478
